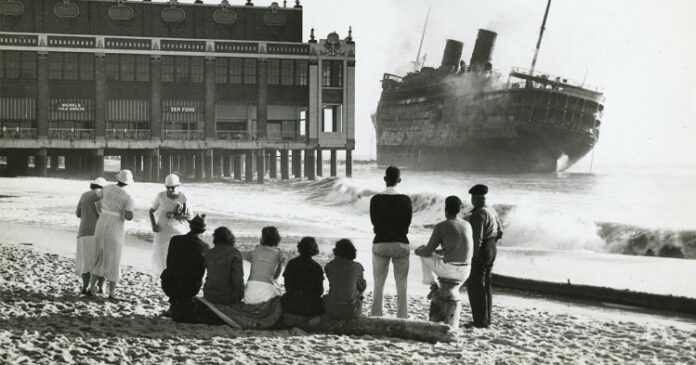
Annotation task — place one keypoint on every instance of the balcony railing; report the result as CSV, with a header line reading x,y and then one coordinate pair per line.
x,y
236,135
128,134
71,134
18,133
182,135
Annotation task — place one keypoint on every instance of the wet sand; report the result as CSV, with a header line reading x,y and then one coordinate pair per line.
x,y
43,319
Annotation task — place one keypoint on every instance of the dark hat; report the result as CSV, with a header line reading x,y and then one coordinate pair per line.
x,y
198,222
479,189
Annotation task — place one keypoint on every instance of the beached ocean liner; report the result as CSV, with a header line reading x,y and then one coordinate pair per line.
x,y
469,117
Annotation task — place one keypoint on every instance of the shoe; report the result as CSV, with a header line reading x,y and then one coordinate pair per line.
x,y
475,325
83,291
433,289
114,299
100,290
167,313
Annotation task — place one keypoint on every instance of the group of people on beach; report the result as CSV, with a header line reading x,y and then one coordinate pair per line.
x,y
459,251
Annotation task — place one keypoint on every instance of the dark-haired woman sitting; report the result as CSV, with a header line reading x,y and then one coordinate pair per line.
x,y
346,283
304,281
225,281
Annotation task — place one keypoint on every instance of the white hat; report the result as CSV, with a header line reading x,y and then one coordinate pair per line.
x,y
125,177
99,181
172,180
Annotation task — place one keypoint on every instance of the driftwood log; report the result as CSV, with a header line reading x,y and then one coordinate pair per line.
x,y
374,326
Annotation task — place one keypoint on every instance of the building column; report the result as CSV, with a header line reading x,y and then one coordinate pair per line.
x,y
166,169
226,164
273,164
296,163
309,166
42,96
333,163
188,168
349,163
53,157
210,98
249,166
209,165
123,156
40,162
260,166
217,165
98,162
147,167
261,98
155,98
319,163
284,173
100,96
135,163
200,154
237,157
155,165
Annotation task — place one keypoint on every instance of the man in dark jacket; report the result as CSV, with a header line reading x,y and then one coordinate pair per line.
x,y
391,213
486,231
183,277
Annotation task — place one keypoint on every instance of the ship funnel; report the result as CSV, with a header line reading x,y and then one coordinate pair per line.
x,y
485,41
452,54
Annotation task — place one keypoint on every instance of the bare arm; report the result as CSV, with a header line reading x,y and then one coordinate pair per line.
x,y
435,240
78,211
153,223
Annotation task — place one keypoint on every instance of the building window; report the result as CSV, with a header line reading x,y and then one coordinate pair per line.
x,y
303,123
55,66
220,70
287,73
332,73
182,70
112,68
197,69
301,71
86,66
2,64
249,71
142,68
28,65
273,72
127,67
236,71
331,118
13,62
167,68
70,66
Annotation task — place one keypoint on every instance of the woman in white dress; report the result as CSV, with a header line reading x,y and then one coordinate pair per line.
x,y
168,216
116,208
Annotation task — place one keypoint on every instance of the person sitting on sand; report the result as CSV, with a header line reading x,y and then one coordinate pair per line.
x,y
454,259
224,283
346,283
183,277
172,213
266,264
117,207
304,281
87,211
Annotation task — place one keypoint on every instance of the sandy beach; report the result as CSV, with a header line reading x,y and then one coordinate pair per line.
x,y
43,319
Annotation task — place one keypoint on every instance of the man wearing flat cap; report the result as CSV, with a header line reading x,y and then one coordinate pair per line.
x,y
487,230
183,277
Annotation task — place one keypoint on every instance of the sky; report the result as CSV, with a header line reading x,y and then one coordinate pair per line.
x,y
641,53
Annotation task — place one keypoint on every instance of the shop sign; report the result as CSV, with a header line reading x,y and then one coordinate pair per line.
x,y
182,109
71,107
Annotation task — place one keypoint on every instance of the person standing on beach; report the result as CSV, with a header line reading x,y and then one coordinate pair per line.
x,y
455,237
487,231
88,213
170,220
390,213
117,207
183,277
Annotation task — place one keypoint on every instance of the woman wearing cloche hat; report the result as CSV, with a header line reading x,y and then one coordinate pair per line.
x,y
116,207
168,216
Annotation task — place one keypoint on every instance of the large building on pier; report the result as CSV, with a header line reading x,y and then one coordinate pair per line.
x,y
205,90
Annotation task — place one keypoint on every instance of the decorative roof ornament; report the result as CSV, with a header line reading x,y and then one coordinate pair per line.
x,y
275,17
311,36
297,4
173,14
332,46
120,11
285,3
349,38
224,15
249,3
66,9
11,8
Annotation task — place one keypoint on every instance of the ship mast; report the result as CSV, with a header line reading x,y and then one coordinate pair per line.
x,y
541,35
418,62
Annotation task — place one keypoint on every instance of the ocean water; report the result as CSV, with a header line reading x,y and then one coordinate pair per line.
x,y
601,228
